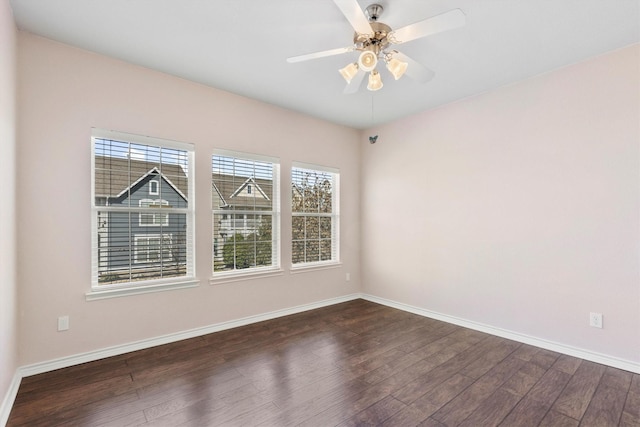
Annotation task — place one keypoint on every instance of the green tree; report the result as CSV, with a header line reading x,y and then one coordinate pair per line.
x,y
253,250
263,243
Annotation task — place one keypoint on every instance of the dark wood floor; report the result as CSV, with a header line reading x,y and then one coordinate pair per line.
x,y
356,363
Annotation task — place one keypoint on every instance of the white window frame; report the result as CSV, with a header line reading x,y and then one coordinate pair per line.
x,y
275,212
161,238
334,215
159,218
154,183
101,291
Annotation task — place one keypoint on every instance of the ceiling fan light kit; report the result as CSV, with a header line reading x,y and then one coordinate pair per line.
x,y
372,38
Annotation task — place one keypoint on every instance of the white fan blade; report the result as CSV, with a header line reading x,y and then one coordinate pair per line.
x,y
322,54
446,21
355,83
356,17
415,70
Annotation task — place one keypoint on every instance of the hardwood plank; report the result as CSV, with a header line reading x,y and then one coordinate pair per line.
x,y
567,364
528,412
430,402
522,381
375,414
428,381
293,415
407,416
631,411
346,409
556,419
492,410
575,398
608,403
460,407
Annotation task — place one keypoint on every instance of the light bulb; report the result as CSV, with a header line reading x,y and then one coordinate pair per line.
x,y
375,81
397,67
349,72
367,60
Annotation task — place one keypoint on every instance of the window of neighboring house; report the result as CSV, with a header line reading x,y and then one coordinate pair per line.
x,y
246,213
152,248
154,188
314,215
153,218
141,244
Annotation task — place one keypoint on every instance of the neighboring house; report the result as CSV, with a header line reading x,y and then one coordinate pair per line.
x,y
138,240
238,202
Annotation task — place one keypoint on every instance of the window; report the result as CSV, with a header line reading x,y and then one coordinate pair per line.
x,y
152,248
152,219
139,241
246,209
314,215
153,188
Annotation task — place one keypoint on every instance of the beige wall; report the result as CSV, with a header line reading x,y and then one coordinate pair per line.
x,y
8,288
63,92
518,209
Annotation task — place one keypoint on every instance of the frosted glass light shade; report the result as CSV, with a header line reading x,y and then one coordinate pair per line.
x,y
375,81
367,60
396,68
349,72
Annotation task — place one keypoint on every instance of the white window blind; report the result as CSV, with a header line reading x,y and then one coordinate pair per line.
x,y
138,240
245,213
314,215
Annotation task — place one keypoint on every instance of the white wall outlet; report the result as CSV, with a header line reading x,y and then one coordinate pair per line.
x,y
595,320
348,276
63,323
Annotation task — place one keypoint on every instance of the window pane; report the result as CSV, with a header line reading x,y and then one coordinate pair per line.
x,y
325,228
325,250
297,227
297,253
312,251
312,228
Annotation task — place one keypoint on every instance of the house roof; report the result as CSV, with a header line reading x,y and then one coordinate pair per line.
x,y
114,175
232,191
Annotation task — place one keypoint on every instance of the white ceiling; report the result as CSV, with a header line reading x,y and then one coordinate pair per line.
x,y
241,45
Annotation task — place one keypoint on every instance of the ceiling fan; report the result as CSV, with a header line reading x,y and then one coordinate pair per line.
x,y
374,41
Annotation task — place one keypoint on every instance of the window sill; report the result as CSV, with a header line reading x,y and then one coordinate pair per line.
x,y
235,276
296,269
126,291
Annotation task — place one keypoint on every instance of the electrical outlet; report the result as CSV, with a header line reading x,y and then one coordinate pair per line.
x,y
63,323
595,320
348,276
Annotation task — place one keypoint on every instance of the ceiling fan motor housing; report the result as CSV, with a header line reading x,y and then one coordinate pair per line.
x,y
376,42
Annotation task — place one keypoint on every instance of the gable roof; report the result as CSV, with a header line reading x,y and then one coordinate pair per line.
x,y
115,176
244,185
230,190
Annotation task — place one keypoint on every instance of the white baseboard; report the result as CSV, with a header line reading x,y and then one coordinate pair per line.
x,y
9,398
592,356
